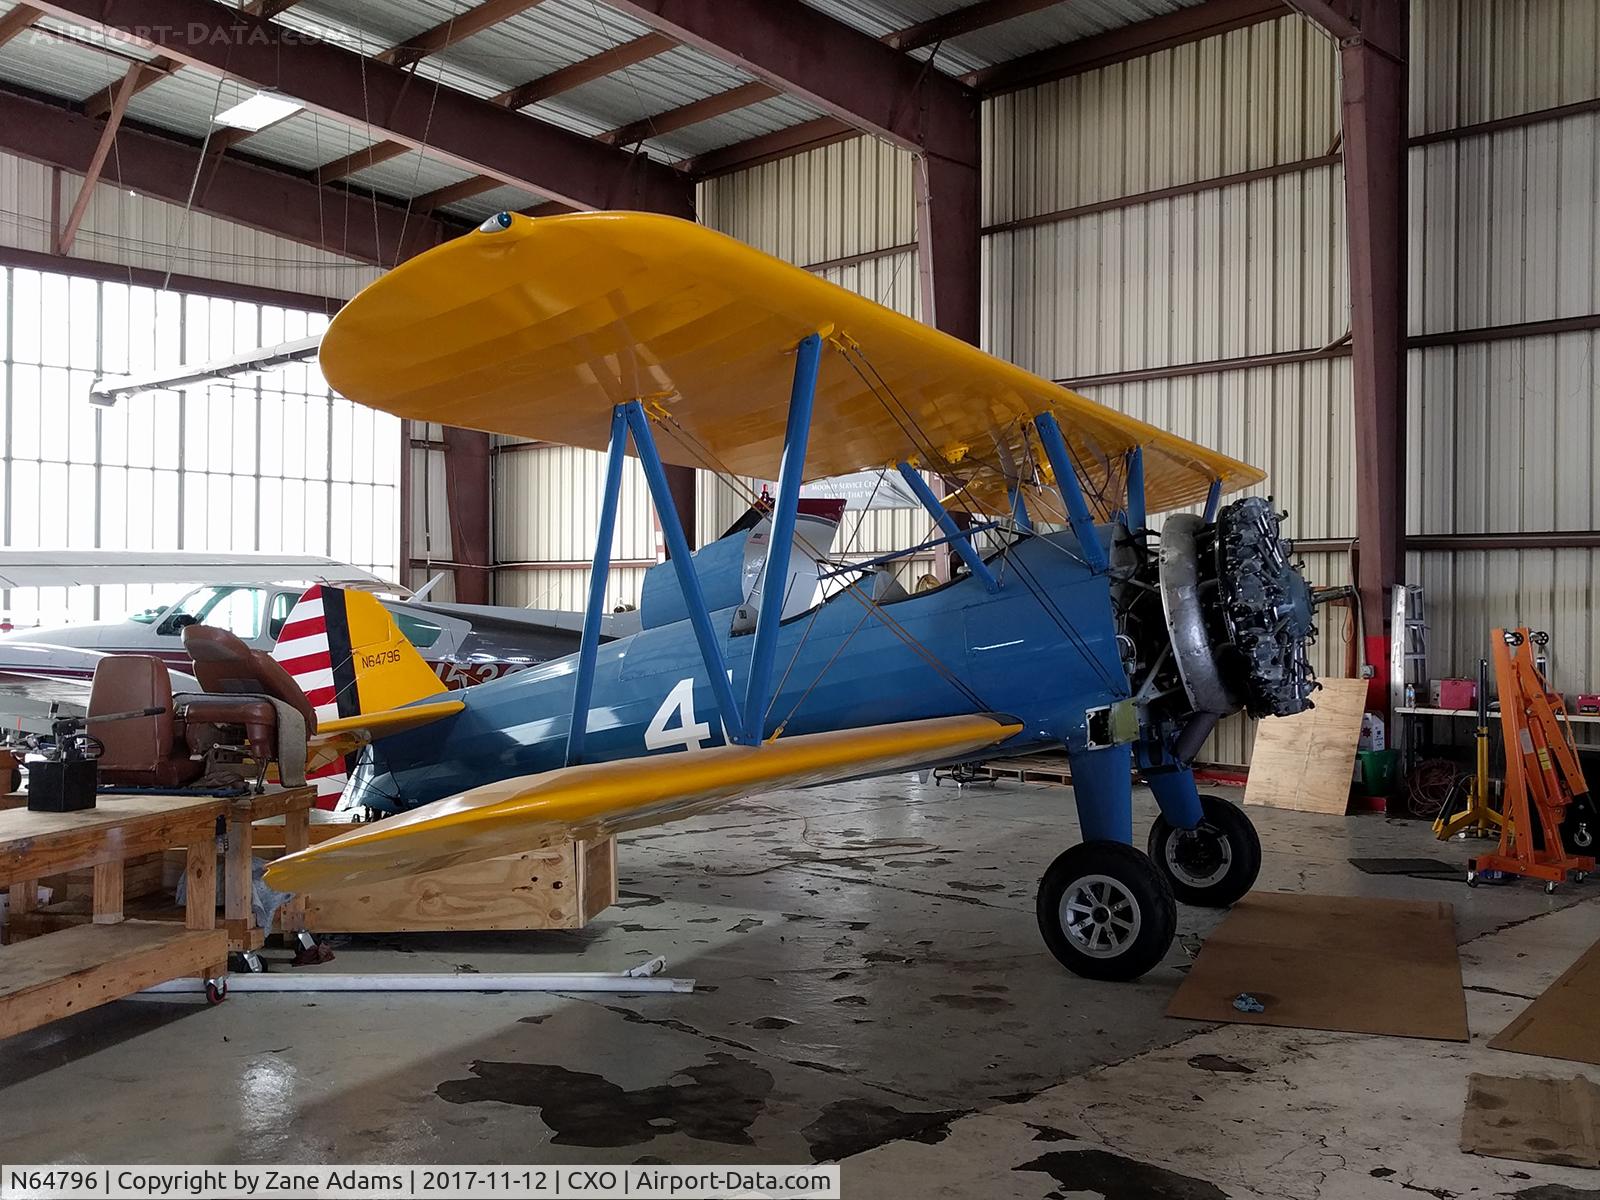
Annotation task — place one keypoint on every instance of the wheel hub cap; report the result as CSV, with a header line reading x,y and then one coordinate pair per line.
x,y
1100,916
1199,857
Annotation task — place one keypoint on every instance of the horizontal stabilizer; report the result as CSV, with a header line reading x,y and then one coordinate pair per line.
x,y
599,799
345,735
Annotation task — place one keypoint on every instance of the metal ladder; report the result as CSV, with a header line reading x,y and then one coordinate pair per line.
x,y
1408,668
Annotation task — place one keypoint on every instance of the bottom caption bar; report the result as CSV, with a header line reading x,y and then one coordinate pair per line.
x,y
413,1183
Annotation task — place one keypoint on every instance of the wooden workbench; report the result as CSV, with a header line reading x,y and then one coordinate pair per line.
x,y
61,973
292,805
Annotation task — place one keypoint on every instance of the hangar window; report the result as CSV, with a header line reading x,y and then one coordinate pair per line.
x,y
274,462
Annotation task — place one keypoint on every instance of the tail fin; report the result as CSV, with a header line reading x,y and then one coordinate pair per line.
x,y
348,656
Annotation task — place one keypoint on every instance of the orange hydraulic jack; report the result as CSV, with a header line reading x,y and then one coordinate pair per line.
x,y
1542,772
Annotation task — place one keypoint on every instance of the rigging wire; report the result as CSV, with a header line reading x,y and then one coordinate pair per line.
x,y
893,625
1048,606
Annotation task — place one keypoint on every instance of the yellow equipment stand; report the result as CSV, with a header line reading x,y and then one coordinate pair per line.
x,y
1479,818
1542,771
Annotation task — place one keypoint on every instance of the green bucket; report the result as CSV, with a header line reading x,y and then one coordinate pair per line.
x,y
1380,771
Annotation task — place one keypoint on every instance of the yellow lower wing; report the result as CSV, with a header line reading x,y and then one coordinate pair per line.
x,y
598,799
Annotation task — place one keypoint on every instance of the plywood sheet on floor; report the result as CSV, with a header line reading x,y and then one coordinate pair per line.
x,y
1332,962
1305,762
1565,1021
1533,1119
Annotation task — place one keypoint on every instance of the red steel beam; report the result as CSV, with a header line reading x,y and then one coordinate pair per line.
x,y
457,29
963,20
693,113
158,68
949,244
369,156
291,206
769,147
17,20
587,70
850,75
97,161
1373,70
563,80
467,487
455,127
1336,17
1119,45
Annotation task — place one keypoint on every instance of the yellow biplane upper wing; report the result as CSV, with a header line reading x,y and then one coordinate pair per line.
x,y
599,799
539,327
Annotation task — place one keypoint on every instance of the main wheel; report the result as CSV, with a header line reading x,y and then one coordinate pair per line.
x,y
1106,912
1213,864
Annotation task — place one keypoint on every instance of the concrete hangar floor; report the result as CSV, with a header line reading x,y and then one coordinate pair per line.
x,y
873,990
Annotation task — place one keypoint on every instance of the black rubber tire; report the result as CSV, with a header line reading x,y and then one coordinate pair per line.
x,y
1144,886
1218,818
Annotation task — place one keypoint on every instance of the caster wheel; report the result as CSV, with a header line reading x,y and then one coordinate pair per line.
x,y
1579,876
216,991
1106,912
1472,879
1550,888
1213,864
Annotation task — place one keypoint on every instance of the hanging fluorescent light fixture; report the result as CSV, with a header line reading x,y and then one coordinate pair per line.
x,y
257,112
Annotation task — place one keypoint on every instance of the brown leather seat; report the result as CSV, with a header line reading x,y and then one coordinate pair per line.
x,y
210,718
223,663
139,751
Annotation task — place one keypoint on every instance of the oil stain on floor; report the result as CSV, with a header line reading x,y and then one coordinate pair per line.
x,y
1118,1178
719,1104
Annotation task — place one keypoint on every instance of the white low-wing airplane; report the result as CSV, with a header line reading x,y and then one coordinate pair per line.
x,y
251,595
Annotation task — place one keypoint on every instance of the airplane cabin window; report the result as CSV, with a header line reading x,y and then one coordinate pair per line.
x,y
418,632
282,606
238,611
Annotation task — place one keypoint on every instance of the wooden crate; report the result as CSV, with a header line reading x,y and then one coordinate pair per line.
x,y
562,887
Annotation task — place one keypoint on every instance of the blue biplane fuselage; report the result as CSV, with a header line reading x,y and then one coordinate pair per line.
x,y
1041,649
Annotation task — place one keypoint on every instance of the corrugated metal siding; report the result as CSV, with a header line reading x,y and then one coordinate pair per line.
x,y
842,200
1253,98
1503,435
548,506
137,231
1250,269
1485,59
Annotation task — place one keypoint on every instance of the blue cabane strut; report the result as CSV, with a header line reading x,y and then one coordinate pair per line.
x,y
960,541
1055,448
1137,516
